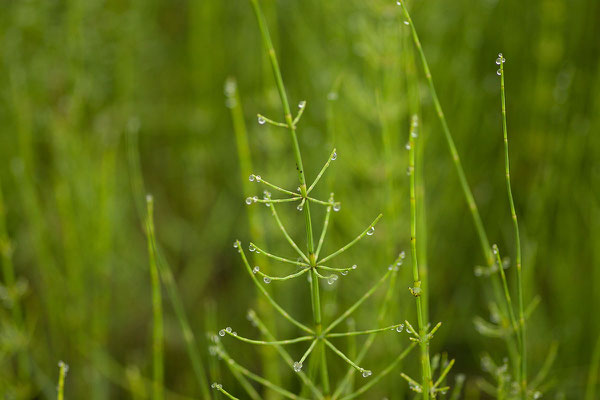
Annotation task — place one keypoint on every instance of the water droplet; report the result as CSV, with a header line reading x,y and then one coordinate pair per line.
x,y
406,23
251,247
366,373
222,332
300,207
261,120
371,231
499,72
248,200
345,272
400,328
414,134
302,104
495,249
407,146
334,156
255,199
267,280
403,255
332,278
234,333
409,170
399,2
228,329
354,266
258,178
214,385
297,366
251,178
256,269
537,395
235,244
337,207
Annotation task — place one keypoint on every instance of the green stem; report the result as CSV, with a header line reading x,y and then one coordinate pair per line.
x,y
417,290
523,369
62,374
157,332
315,297
485,246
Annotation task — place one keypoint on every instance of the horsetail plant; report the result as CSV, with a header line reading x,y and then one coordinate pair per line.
x,y
504,314
422,335
318,336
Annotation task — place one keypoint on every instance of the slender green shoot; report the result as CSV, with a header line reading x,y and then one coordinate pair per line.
x,y
523,370
357,304
254,319
269,278
365,372
158,330
513,319
380,375
325,226
332,157
416,290
397,328
287,236
258,178
63,368
450,142
257,378
229,332
219,388
368,231
252,247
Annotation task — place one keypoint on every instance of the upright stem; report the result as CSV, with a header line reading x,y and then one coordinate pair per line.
x,y
523,369
483,240
315,297
417,290
157,333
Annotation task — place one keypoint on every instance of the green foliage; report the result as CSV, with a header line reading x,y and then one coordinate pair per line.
x,y
104,101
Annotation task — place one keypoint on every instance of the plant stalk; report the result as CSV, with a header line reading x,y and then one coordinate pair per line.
x,y
315,296
417,290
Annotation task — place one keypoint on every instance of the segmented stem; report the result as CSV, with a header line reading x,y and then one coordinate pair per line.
x,y
417,290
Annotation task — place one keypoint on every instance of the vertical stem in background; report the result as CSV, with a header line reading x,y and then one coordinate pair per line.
x,y
523,369
417,290
485,245
316,303
157,332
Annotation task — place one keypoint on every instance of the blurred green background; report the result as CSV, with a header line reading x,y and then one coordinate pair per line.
x,y
87,82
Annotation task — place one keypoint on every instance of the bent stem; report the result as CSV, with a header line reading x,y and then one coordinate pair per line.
x,y
416,290
315,296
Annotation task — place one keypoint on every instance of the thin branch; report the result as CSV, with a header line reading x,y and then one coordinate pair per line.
x,y
355,333
262,342
346,247
281,278
332,157
381,374
325,225
268,296
262,119
357,304
287,236
343,356
273,256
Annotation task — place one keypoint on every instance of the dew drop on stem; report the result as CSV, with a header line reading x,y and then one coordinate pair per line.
x,y
267,280
371,231
261,120
337,207
366,373
297,366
